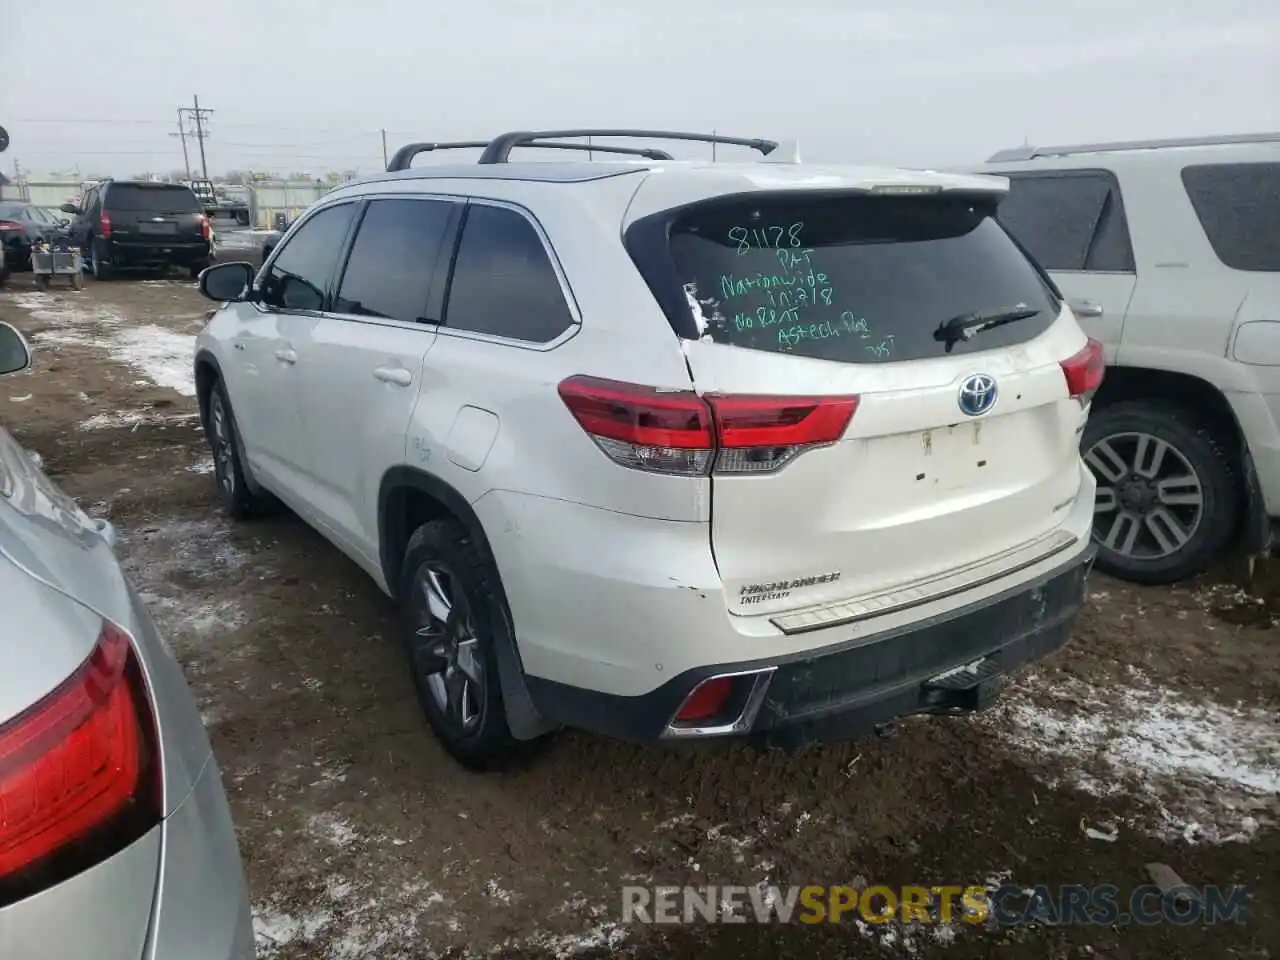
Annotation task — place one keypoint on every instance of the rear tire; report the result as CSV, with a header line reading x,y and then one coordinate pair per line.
x,y
100,268
1168,492
453,616
228,472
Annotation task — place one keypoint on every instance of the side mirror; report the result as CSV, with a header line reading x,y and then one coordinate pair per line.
x,y
70,208
15,355
227,282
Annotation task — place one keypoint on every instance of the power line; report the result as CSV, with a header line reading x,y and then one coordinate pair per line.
x,y
335,131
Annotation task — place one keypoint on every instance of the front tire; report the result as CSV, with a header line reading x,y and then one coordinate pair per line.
x,y
237,499
1168,495
453,616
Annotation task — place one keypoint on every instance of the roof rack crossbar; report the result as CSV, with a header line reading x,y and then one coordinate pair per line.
x,y
1031,153
500,147
403,157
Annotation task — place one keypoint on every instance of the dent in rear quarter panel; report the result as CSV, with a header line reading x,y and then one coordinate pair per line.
x,y
101,914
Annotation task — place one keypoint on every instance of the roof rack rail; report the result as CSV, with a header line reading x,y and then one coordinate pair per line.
x,y
405,155
500,147
1031,153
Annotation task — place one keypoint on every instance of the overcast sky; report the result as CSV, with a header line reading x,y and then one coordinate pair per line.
x,y
308,84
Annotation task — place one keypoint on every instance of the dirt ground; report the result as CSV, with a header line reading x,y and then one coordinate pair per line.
x,y
1151,737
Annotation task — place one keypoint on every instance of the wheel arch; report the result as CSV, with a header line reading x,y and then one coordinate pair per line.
x,y
208,371
1188,392
409,497
1199,398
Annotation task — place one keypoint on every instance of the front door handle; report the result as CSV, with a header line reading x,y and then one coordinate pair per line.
x,y
1086,309
397,375
285,355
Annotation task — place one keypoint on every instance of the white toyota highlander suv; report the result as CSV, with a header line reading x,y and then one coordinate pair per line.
x,y
669,449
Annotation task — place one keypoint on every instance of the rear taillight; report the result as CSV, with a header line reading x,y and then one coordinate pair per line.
x,y
79,772
104,224
205,228
8,225
1084,371
679,432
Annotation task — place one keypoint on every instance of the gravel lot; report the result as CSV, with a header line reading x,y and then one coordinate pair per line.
x,y
1152,737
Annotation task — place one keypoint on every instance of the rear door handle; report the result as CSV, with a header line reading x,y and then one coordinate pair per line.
x,y
397,375
285,355
1086,309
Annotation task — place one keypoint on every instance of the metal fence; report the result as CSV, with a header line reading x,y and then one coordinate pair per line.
x,y
268,199
44,193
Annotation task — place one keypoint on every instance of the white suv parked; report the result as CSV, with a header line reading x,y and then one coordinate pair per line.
x,y
669,449
1169,251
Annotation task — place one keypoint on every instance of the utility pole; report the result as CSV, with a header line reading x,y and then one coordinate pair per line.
x,y
384,149
182,133
199,115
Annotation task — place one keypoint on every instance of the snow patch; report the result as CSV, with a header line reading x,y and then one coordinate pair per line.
x,y
273,929
333,829
132,419
159,354
1209,772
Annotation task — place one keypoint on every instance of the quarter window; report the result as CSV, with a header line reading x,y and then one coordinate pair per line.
x,y
1069,221
1238,205
503,282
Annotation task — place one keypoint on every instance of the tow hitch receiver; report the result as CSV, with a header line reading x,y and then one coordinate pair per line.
x,y
971,686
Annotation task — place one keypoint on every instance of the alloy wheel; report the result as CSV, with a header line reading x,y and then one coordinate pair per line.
x,y
1150,499
446,651
223,465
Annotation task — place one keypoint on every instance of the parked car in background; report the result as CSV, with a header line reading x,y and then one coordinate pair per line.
x,y
123,224
1169,252
115,835
22,225
669,450
215,202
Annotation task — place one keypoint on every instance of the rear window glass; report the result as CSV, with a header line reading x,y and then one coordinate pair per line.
x,y
1239,207
854,279
157,199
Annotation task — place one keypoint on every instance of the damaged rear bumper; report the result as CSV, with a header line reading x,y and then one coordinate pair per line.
x,y
950,663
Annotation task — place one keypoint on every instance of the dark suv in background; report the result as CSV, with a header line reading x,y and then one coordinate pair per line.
x,y
122,224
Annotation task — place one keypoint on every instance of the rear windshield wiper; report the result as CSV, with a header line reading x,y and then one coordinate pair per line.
x,y
969,325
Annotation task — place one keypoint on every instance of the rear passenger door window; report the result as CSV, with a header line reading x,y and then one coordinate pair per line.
x,y
503,282
1238,204
393,260
1069,221
298,278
